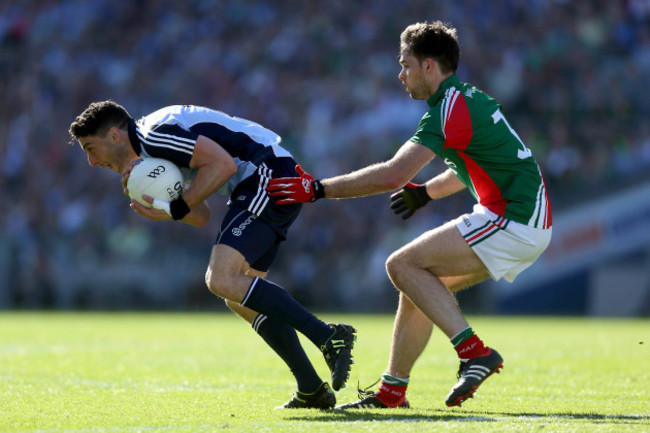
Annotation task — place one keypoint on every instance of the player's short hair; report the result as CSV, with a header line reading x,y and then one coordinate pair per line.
x,y
435,40
98,118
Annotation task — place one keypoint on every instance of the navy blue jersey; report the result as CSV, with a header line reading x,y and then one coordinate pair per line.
x,y
171,133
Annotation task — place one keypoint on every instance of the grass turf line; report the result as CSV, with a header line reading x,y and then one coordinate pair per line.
x,y
131,372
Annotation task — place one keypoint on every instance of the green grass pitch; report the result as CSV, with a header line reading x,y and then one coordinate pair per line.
x,y
134,372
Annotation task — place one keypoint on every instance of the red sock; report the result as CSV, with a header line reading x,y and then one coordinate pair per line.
x,y
391,395
471,348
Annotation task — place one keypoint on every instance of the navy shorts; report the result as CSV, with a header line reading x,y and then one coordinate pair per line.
x,y
254,225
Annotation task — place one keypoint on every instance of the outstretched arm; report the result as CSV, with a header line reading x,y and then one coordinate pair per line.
x,y
381,177
374,179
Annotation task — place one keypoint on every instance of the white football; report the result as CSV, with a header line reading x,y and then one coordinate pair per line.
x,y
156,177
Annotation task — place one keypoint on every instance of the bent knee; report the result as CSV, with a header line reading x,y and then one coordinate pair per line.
x,y
396,266
223,284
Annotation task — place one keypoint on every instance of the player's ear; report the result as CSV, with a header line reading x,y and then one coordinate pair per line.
x,y
114,134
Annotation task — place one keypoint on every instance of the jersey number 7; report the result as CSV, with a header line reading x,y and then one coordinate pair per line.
x,y
522,153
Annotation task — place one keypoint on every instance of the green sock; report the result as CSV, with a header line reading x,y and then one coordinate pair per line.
x,y
462,336
392,380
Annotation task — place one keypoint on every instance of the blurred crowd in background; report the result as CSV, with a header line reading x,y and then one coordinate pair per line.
x,y
572,77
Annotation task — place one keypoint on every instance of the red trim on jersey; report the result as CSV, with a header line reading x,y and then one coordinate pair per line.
x,y
458,123
458,134
489,194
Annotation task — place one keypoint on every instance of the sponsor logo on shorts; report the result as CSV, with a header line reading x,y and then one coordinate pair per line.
x,y
241,198
239,230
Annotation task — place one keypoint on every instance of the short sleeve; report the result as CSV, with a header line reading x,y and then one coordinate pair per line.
x,y
429,133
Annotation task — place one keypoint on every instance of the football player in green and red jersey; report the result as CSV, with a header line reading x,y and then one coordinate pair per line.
x,y
509,227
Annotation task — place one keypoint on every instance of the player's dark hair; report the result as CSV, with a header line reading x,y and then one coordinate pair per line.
x,y
435,40
98,118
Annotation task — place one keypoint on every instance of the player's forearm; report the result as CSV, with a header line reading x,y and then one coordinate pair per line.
x,y
444,184
214,167
374,179
208,180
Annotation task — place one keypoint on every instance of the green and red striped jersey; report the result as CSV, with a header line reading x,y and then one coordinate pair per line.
x,y
467,129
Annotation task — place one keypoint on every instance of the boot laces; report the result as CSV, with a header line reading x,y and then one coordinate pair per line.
x,y
366,392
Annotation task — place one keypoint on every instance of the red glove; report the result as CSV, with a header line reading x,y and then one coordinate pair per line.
x,y
296,189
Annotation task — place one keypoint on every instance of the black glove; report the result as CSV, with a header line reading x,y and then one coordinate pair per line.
x,y
409,199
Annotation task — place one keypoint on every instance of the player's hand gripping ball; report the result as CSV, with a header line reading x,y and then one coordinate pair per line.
x,y
155,177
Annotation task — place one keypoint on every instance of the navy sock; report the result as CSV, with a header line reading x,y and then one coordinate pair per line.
x,y
283,339
273,301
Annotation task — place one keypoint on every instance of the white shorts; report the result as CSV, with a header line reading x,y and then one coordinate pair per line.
x,y
505,247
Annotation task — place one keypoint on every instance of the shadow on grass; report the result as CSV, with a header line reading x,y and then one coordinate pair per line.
x,y
393,415
433,415
614,419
